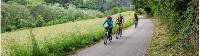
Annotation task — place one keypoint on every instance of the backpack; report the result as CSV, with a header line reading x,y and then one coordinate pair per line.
x,y
120,19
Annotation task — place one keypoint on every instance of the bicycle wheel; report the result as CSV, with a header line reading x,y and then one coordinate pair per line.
x,y
110,38
105,38
136,22
117,33
120,32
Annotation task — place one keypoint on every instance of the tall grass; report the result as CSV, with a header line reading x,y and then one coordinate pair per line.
x,y
56,40
163,45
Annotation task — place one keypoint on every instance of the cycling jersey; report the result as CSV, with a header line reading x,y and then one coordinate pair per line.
x,y
109,23
120,19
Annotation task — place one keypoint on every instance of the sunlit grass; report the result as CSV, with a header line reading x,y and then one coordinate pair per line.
x,y
60,39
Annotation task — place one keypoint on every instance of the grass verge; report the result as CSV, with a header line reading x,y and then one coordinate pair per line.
x,y
163,44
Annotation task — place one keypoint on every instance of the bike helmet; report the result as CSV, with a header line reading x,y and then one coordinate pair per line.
x,y
109,17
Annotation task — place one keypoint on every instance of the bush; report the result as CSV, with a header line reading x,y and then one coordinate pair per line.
x,y
47,12
15,15
77,13
141,11
74,14
178,16
39,21
116,10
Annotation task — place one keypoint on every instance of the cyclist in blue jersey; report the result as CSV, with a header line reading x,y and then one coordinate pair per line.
x,y
109,26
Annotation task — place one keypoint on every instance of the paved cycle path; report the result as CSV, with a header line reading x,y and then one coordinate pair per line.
x,y
134,42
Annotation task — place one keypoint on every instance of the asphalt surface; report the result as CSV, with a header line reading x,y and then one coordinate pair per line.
x,y
134,42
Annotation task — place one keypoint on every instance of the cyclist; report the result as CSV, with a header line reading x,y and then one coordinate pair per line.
x,y
136,19
109,26
119,22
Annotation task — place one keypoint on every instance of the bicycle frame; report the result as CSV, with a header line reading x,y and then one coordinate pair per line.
x,y
136,23
106,36
119,31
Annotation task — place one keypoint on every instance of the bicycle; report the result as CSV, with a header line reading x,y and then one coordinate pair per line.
x,y
107,36
119,31
136,23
